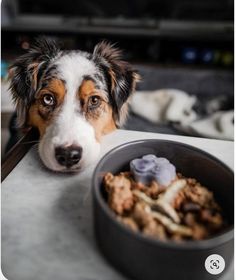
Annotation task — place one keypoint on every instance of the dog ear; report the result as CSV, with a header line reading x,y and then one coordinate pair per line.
x,y
25,74
121,78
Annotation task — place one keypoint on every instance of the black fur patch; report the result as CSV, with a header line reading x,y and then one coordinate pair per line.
x,y
27,71
120,77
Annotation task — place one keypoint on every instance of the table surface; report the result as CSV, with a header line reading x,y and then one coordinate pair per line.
x,y
47,228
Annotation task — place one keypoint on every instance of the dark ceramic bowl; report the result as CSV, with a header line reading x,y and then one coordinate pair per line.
x,y
141,257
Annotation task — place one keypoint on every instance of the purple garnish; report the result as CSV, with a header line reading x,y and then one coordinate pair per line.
x,y
156,159
142,165
150,167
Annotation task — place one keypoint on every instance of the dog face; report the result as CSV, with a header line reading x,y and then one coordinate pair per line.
x,y
73,98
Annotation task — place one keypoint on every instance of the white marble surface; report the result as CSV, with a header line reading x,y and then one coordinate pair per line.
x,y
47,222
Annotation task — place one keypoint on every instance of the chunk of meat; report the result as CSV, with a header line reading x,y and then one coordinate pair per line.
x,y
185,210
120,197
129,222
152,190
156,230
147,223
214,220
198,194
140,215
199,231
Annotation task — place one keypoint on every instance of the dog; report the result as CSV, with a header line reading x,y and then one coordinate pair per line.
x,y
72,98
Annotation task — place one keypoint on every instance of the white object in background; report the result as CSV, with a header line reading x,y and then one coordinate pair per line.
x,y
7,105
219,126
164,105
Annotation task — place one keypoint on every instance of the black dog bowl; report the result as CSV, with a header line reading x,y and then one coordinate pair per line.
x,y
141,257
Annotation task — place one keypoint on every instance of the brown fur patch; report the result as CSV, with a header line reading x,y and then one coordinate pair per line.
x,y
33,67
87,89
104,124
100,118
113,79
40,116
57,88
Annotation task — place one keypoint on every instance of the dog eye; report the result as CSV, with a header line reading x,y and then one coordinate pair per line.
x,y
94,101
48,100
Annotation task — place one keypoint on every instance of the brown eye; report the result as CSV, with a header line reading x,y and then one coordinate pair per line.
x,y
48,100
94,101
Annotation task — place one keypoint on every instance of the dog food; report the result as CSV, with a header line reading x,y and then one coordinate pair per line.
x,y
155,200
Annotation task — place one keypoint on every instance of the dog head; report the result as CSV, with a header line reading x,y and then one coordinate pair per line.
x,y
72,98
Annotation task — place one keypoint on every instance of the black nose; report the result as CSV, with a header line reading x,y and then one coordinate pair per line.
x,y
68,156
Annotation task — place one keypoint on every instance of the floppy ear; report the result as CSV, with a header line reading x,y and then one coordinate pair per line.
x,y
121,78
25,74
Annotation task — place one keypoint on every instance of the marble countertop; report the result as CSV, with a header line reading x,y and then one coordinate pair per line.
x,y
47,228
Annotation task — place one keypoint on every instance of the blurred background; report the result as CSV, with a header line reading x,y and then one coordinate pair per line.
x,y
183,45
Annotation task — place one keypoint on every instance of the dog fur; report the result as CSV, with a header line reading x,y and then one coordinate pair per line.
x,y
73,98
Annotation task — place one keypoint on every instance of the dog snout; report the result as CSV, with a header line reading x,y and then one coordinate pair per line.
x,y
68,156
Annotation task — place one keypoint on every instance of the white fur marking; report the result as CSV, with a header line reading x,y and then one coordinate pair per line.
x,y
70,127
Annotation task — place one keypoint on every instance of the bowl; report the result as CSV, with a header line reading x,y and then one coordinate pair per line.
x,y
143,258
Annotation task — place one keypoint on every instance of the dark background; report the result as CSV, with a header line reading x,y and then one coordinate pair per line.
x,y
150,31
180,44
